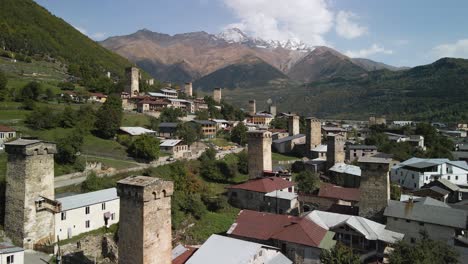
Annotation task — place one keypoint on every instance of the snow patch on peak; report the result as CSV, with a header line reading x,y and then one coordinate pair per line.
x,y
233,35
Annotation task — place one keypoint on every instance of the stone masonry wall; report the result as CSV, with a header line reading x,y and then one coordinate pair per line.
x,y
259,153
374,188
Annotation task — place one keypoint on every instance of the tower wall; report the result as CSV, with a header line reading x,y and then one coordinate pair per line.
x,y
259,153
133,78
252,107
293,125
374,189
272,110
335,150
145,220
188,89
217,95
29,179
313,133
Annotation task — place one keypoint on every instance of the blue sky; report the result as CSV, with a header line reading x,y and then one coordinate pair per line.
x,y
397,32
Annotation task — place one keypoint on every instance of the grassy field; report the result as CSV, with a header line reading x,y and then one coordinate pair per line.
x,y
221,142
135,119
278,157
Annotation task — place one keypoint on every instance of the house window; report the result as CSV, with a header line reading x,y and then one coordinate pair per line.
x,y
10,259
448,177
354,155
421,223
87,224
408,221
103,206
87,210
64,216
113,216
414,185
427,178
456,178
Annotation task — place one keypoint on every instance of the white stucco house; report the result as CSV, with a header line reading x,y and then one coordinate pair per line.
x,y
416,172
10,254
85,212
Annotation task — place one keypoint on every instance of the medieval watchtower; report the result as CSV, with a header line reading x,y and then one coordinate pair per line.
x,y
252,107
335,150
217,95
293,125
259,153
188,89
30,192
133,78
145,220
313,133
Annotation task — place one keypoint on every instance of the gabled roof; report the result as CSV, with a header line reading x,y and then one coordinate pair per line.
x,y
204,122
6,129
364,147
86,199
320,148
170,143
227,250
266,226
168,124
282,195
136,131
181,254
264,185
347,169
289,138
7,248
369,229
427,210
328,190
423,163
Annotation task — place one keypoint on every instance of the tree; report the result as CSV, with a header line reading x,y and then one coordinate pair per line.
x,y
395,192
154,123
243,162
307,181
145,147
339,254
50,96
69,146
68,118
42,118
239,134
424,251
109,117
202,115
171,115
189,132
32,91
3,80
208,155
66,86
279,123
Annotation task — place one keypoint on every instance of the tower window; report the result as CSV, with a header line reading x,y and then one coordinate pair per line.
x,y
87,210
103,206
87,224
64,216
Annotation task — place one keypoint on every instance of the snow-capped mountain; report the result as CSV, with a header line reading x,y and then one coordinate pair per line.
x,y
235,35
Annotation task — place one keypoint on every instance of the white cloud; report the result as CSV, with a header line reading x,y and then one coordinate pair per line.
x,y
346,26
99,36
458,49
365,53
307,20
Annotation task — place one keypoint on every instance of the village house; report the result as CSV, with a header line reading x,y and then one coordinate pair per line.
x,y
228,250
300,239
11,254
182,104
368,238
82,213
288,144
6,134
97,97
416,172
413,215
263,119
200,105
221,124
148,105
455,193
208,127
328,196
334,130
416,141
402,123
167,129
170,93
354,152
345,175
175,147
253,195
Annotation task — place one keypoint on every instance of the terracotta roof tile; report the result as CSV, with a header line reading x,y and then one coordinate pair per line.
x,y
264,185
328,190
184,257
6,129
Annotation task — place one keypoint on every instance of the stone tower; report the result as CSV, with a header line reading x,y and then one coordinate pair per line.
x,y
217,95
29,195
293,125
259,152
252,107
335,149
313,133
188,89
375,186
133,79
151,81
145,220
272,110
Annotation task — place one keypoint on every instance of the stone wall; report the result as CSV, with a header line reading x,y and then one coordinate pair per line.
x,y
259,153
313,134
252,107
293,125
374,188
335,150
217,95
133,79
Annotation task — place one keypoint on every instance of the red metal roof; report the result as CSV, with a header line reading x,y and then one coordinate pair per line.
x,y
184,257
265,226
264,185
6,129
328,190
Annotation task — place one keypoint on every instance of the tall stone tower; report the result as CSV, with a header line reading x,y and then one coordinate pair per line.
x,y
375,186
133,79
188,89
259,152
272,110
293,125
252,107
313,133
29,205
335,150
217,95
145,220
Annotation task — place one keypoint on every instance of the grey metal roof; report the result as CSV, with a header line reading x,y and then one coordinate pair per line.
x,y
86,199
22,142
220,249
286,139
437,189
366,147
168,124
427,210
346,168
282,195
204,122
7,248
136,131
459,163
